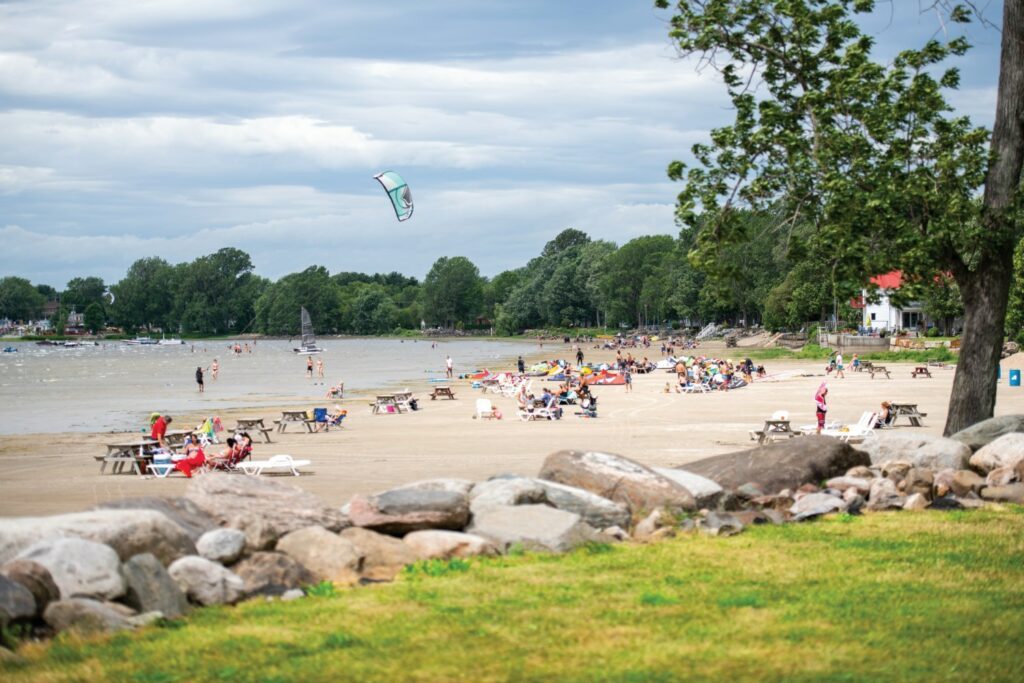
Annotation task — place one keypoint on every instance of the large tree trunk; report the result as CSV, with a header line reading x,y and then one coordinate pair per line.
x,y
985,291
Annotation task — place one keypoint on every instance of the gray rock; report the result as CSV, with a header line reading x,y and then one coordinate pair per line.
x,y
861,472
1001,476
846,483
431,544
615,532
399,511
182,511
16,601
783,464
814,505
79,567
272,574
383,556
896,470
292,594
985,432
597,511
1012,493
221,545
646,528
84,616
617,478
327,555
150,588
915,501
720,524
919,450
36,578
705,492
918,480
263,509
1006,451
463,486
533,527
965,481
205,582
506,491
128,533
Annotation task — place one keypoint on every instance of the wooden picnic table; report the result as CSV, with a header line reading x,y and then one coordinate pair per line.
x,y
125,453
175,438
921,370
384,402
772,430
404,399
442,392
253,424
909,411
291,417
879,369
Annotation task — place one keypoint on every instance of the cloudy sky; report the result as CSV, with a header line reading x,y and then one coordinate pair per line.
x,y
132,128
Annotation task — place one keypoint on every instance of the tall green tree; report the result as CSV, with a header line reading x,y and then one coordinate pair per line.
x,y
866,155
144,297
19,300
94,317
279,306
627,272
216,293
82,291
452,291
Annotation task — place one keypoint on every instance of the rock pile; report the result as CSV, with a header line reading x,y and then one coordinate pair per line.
x,y
233,538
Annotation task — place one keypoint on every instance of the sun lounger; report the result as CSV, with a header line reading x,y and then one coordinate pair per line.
x,y
277,463
858,432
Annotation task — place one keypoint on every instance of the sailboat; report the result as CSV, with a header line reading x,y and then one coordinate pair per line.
x,y
308,339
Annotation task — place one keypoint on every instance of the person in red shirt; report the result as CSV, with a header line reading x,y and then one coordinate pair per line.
x,y
159,431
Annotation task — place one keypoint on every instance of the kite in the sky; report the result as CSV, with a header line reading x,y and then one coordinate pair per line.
x,y
399,193
111,295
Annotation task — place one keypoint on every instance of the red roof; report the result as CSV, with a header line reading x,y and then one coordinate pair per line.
x,y
891,280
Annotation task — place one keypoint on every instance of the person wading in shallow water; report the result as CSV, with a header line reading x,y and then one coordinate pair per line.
x,y
199,380
309,367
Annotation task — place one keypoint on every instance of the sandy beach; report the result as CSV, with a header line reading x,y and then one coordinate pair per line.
x,y
52,473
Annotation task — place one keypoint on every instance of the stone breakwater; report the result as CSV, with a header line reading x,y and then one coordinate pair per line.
x,y
232,537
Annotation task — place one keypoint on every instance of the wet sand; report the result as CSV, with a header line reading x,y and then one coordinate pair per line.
x,y
51,473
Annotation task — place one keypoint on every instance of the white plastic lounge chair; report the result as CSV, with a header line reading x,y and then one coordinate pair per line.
x,y
161,469
484,409
858,432
277,462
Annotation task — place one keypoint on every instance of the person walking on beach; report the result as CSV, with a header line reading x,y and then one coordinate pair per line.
x,y
820,405
629,379
579,355
448,367
214,369
199,380
521,365
309,367
320,367
839,366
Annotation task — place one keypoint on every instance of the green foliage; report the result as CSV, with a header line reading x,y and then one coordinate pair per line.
x,y
19,300
94,318
453,292
324,589
436,567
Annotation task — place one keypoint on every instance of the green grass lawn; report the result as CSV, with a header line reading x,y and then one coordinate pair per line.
x,y
886,597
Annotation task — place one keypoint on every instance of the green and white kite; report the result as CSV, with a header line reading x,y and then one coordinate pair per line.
x,y
399,193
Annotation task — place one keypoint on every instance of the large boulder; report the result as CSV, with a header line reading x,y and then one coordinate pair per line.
x,y
533,527
1006,451
206,582
985,432
36,578
150,587
84,616
706,492
399,511
221,545
16,601
272,573
437,544
79,567
264,510
128,532
920,450
814,505
383,556
327,555
503,490
181,511
616,478
781,465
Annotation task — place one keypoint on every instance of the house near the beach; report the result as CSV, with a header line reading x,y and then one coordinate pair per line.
x,y
881,313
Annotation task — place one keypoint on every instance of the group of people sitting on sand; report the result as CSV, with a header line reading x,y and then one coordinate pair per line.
x,y
193,455
714,373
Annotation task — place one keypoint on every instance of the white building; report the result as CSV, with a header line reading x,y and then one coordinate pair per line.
x,y
883,314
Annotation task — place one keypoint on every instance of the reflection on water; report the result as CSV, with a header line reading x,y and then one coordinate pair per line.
x,y
115,386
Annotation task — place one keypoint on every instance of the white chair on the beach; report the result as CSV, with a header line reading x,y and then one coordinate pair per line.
x,y
863,429
484,409
277,462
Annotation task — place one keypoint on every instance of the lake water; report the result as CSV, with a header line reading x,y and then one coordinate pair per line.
x,y
116,386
